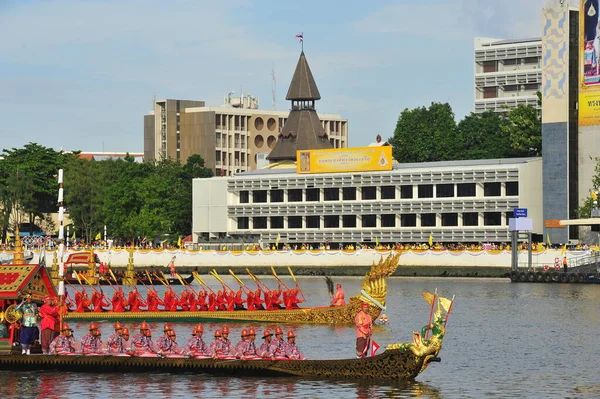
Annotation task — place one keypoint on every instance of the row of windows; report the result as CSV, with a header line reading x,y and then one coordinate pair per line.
x,y
469,219
387,192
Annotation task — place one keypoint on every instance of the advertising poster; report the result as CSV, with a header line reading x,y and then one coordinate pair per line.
x,y
360,159
589,55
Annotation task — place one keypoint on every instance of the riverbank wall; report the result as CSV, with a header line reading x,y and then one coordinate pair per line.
x,y
478,263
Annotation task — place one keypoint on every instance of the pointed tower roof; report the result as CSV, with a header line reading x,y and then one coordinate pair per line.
x,y
303,86
303,129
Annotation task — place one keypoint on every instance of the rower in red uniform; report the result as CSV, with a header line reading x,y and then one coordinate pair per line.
x,y
250,300
202,305
135,300
212,302
238,302
258,301
168,298
183,301
118,301
91,344
153,300
99,301
84,303
192,302
196,345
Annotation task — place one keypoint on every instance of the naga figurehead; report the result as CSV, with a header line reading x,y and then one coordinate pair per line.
x,y
374,283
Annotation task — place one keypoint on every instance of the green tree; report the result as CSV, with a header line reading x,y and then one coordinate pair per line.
x,y
524,129
483,136
426,134
29,173
585,211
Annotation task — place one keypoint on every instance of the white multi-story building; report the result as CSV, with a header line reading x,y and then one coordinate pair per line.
x,y
507,73
457,201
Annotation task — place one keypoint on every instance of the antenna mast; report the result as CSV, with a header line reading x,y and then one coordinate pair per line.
x,y
273,88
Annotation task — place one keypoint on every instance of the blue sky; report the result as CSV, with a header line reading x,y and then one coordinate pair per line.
x,y
80,75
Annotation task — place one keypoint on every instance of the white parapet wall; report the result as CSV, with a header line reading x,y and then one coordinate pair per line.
x,y
317,258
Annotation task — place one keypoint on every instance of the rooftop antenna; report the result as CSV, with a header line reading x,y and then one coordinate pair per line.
x,y
273,87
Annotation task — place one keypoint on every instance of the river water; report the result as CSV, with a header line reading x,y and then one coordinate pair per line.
x,y
503,340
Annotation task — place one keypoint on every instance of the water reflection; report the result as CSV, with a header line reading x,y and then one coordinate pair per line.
x,y
503,340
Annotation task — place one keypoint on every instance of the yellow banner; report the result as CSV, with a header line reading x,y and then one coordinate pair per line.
x,y
360,159
589,65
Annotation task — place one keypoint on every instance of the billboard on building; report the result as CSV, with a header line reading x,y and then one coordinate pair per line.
x,y
589,70
361,159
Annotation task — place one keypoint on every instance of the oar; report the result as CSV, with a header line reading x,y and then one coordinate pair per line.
x,y
216,275
240,282
149,280
201,282
277,278
296,282
262,285
185,284
166,283
87,281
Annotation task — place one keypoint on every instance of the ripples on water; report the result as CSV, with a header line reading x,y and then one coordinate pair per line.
x,y
503,340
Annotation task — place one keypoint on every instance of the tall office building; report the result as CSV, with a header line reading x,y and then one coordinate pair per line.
x,y
232,138
507,73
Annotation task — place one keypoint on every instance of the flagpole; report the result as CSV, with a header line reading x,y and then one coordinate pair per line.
x,y
431,312
61,247
449,309
302,41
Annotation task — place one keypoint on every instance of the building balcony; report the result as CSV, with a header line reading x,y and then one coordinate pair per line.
x,y
504,78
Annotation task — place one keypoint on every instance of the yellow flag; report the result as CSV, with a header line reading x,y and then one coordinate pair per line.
x,y
98,236
445,302
73,238
277,240
548,240
376,241
430,240
428,296
564,250
179,242
594,195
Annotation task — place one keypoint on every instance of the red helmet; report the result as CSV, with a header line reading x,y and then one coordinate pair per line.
x,y
218,333
291,334
167,327
94,326
244,333
199,327
143,326
278,331
171,333
267,333
118,325
225,330
66,327
251,331
125,331
364,305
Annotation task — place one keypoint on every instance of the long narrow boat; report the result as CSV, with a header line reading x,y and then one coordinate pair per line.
x,y
399,362
373,291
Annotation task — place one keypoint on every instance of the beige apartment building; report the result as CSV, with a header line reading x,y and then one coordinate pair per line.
x,y
235,137
507,73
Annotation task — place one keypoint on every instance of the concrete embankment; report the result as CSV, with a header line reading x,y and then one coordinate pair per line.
x,y
317,262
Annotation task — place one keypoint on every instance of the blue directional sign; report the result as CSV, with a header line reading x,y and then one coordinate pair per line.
x,y
520,212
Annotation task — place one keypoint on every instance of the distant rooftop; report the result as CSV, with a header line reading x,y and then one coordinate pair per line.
x,y
511,41
412,165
